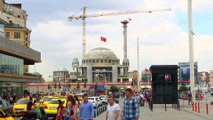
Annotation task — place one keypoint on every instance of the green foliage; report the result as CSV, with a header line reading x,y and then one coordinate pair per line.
x,y
183,88
68,85
114,89
59,85
55,86
78,86
85,84
49,86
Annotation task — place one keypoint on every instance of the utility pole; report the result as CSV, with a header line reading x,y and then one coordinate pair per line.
x,y
191,50
138,83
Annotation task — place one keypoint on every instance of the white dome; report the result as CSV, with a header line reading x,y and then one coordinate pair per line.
x,y
100,56
100,53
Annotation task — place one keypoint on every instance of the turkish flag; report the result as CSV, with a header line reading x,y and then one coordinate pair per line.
x,y
103,39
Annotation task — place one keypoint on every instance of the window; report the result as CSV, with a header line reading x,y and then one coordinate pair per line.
x,y
7,34
16,34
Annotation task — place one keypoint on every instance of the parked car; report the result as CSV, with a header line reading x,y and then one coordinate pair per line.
x,y
94,101
103,99
6,107
5,116
99,101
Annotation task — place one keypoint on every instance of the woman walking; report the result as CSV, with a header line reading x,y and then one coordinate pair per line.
x,y
70,109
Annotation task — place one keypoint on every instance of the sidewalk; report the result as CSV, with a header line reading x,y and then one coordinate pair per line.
x,y
188,108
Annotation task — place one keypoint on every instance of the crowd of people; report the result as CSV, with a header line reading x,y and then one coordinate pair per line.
x,y
85,111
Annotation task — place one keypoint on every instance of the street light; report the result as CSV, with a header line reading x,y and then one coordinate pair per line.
x,y
191,50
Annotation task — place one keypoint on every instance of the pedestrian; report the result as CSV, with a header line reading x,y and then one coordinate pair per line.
x,y
113,109
77,106
71,108
86,109
189,97
60,109
130,110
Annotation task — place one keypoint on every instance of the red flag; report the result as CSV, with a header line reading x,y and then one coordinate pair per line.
x,y
103,39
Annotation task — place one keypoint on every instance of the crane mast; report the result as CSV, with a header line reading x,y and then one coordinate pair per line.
x,y
84,32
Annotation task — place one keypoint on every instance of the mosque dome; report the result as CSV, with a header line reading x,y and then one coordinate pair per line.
x,y
100,55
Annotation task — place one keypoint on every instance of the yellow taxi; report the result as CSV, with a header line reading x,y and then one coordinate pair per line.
x,y
51,107
46,99
4,116
20,106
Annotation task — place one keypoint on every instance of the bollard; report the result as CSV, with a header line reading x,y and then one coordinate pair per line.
x,y
195,106
198,107
95,113
207,109
192,106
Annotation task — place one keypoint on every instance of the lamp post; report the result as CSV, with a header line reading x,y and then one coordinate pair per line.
x,y
191,49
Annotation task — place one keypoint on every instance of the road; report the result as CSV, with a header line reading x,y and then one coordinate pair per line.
x,y
159,112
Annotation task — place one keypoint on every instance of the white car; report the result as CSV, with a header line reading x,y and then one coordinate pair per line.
x,y
99,101
103,99
93,101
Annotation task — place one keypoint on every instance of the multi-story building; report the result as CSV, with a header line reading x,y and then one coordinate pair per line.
x,y
12,14
15,54
204,79
15,28
13,57
61,75
211,78
146,78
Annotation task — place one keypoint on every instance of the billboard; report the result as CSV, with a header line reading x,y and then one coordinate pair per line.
x,y
184,72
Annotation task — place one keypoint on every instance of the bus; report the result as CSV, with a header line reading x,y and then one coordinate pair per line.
x,y
96,90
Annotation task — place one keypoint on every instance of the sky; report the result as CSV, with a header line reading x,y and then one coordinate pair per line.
x,y
163,35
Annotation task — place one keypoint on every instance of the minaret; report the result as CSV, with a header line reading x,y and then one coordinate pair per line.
x,y
125,60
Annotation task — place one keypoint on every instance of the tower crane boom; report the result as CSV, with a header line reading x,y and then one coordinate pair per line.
x,y
84,16
116,13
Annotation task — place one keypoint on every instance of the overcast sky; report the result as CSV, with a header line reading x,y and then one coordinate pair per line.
x,y
163,35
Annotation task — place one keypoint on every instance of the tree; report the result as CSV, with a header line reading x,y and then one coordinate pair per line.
x,y
183,88
78,86
85,84
59,85
49,86
68,85
114,89
55,86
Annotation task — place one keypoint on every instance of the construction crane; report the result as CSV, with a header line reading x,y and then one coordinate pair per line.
x,y
84,16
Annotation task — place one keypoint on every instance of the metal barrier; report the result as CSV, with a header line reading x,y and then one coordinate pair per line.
x,y
100,110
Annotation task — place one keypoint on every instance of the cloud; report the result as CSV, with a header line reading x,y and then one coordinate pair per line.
x,y
197,5
162,39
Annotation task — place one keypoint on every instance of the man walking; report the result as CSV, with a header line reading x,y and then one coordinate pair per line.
x,y
113,109
86,109
130,109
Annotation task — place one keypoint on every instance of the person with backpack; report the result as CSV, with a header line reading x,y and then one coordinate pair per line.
x,y
131,109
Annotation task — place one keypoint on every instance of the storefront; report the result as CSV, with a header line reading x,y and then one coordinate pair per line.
x,y
11,88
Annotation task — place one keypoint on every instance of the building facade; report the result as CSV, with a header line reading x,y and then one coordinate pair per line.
x,y
101,65
15,53
15,28
13,57
61,75
211,78
204,79
146,78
